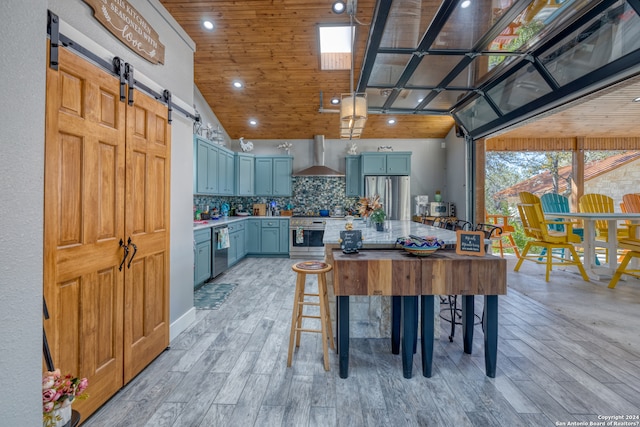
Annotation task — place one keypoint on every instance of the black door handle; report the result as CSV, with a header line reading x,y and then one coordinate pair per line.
x,y
135,249
126,253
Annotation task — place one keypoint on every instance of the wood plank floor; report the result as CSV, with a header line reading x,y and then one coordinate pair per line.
x,y
229,369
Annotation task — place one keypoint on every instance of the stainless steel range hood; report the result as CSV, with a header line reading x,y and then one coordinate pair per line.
x,y
318,168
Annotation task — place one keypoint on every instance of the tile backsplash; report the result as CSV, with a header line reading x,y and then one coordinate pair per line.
x,y
310,194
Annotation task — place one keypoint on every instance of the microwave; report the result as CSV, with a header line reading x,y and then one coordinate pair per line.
x,y
440,209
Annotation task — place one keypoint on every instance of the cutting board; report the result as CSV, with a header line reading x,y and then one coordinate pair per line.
x,y
259,209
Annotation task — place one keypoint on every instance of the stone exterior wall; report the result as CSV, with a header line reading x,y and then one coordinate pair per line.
x,y
617,183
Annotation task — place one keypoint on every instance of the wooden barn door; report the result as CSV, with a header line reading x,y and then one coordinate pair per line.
x,y
109,314
146,326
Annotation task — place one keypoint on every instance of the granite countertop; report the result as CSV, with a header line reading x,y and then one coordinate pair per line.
x,y
393,230
199,225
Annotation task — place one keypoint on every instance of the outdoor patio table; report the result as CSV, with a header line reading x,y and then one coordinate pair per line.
x,y
590,243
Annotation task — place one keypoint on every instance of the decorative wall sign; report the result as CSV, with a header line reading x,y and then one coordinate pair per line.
x,y
470,243
124,22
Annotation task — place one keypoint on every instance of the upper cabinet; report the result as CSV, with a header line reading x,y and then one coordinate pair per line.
x,y
221,172
245,174
226,172
353,176
214,168
386,163
273,175
206,167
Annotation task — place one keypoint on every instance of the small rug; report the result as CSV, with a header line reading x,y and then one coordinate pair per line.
x,y
210,296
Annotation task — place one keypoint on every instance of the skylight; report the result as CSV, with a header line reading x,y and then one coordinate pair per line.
x,y
335,47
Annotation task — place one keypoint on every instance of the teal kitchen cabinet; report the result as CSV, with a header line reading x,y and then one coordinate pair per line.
x,y
374,164
206,167
252,236
267,236
264,176
202,258
245,174
226,172
273,175
399,163
386,163
214,171
237,242
270,235
284,236
353,176
282,169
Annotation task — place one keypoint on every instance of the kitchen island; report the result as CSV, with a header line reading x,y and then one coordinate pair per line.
x,y
366,285
404,278
370,315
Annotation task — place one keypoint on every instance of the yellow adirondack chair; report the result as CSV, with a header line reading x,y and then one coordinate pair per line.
x,y
632,244
600,203
538,230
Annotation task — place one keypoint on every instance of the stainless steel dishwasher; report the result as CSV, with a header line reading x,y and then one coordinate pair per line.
x,y
220,253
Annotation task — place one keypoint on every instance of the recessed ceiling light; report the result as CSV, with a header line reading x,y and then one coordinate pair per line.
x,y
253,122
636,99
465,4
391,121
237,84
335,101
208,25
338,7
420,100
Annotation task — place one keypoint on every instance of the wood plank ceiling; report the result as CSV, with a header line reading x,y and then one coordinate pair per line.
x,y
272,46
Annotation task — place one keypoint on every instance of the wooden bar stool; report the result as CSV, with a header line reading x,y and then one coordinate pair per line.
x,y
320,269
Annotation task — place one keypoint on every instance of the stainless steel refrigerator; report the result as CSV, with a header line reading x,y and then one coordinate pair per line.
x,y
394,192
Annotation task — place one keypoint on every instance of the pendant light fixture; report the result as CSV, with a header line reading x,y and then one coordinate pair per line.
x,y
353,107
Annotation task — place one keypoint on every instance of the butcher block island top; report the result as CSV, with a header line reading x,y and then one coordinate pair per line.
x,y
395,272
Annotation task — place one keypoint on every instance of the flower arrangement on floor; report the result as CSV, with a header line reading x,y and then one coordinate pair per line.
x,y
367,205
59,392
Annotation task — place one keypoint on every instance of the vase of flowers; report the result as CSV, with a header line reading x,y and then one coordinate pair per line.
x,y
58,392
377,217
367,205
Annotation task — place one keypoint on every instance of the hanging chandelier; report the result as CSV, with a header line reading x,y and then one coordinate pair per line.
x,y
353,115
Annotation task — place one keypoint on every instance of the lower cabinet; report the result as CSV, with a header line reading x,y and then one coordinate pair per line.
x,y
253,235
272,237
268,236
202,256
237,242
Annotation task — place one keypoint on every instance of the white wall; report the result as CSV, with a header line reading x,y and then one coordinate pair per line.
x,y
207,116
456,173
22,65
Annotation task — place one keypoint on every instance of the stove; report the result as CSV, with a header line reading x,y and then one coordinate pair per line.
x,y
305,237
